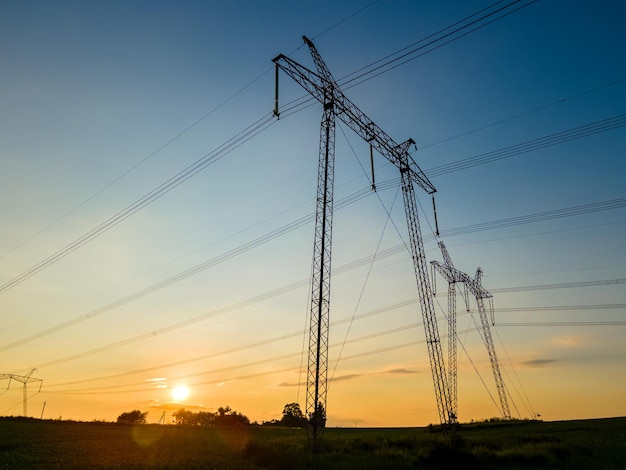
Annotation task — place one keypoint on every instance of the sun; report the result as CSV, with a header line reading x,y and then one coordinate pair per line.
x,y
180,392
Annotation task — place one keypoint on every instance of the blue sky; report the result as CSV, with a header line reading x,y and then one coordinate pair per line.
x,y
102,102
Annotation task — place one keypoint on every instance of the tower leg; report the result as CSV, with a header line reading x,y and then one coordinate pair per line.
x,y
433,342
320,289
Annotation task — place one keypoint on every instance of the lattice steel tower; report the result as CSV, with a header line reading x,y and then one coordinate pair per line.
x,y
24,379
323,87
455,276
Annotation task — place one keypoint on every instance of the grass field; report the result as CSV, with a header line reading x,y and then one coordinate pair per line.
x,y
589,444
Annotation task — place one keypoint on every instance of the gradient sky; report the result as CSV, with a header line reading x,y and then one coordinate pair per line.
x,y
207,286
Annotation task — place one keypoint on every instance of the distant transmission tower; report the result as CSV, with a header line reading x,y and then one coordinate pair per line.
x,y
24,379
454,276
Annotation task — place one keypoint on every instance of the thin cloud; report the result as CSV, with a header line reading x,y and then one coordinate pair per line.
x,y
568,341
538,362
291,384
173,406
346,377
334,379
340,378
400,371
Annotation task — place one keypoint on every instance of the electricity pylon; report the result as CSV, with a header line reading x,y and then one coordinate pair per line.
x,y
323,87
24,379
455,276
481,294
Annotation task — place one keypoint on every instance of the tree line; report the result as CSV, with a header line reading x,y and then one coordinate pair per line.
x,y
224,416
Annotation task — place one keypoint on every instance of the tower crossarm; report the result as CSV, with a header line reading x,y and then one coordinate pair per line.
x,y
450,274
475,287
446,256
320,85
24,380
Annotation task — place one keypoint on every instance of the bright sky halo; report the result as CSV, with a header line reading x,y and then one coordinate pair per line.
x,y
180,392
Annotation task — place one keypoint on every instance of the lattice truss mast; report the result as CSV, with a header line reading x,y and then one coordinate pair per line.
x,y
456,277
24,379
323,87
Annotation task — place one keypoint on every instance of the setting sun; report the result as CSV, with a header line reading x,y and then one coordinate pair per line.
x,y
180,392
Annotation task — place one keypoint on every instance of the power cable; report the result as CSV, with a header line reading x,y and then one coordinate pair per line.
x,y
362,71
94,390
349,17
105,226
306,101
134,167
546,232
562,285
538,217
168,142
141,203
256,362
523,395
567,323
147,199
540,143
526,113
244,347
542,216
338,322
360,298
280,291
560,308
441,38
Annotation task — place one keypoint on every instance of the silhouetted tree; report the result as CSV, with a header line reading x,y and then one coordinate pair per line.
x,y
132,417
227,417
224,417
185,417
318,416
293,416
205,418
221,411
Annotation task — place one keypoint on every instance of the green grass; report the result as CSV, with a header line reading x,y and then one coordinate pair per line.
x,y
67,445
589,444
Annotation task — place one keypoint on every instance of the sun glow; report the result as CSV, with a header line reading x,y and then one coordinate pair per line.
x,y
180,392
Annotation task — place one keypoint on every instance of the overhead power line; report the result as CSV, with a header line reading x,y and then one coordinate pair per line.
x,y
526,113
256,362
538,217
566,323
290,355
279,291
434,41
502,223
168,142
362,316
145,200
530,145
426,45
562,285
560,308
224,149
